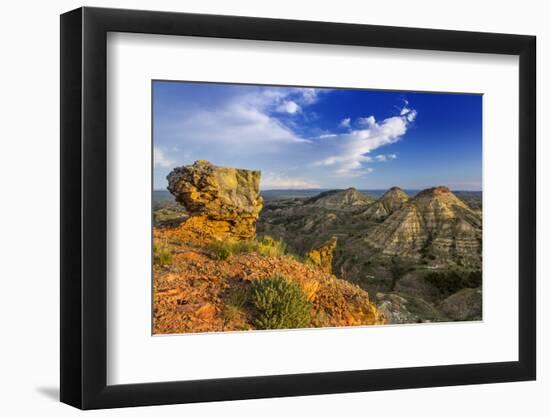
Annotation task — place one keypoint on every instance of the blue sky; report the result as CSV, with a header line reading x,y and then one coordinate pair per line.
x,y
318,137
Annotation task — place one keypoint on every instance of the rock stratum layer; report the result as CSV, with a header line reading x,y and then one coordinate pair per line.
x,y
393,200
223,203
340,199
435,222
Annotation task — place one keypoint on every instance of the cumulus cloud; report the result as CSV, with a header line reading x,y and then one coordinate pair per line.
x,y
160,160
352,149
243,118
288,107
272,129
240,124
345,122
366,121
308,95
279,181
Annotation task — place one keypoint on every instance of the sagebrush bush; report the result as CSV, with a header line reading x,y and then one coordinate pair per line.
x,y
280,304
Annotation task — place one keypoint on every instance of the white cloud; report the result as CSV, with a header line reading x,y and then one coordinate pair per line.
x,y
345,122
288,107
240,125
244,122
366,121
384,158
352,149
269,128
309,95
160,160
279,181
327,135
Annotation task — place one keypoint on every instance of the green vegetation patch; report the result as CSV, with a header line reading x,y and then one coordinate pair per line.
x,y
280,304
448,283
266,246
162,256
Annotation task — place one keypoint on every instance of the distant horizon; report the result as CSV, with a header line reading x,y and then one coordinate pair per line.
x,y
358,189
309,138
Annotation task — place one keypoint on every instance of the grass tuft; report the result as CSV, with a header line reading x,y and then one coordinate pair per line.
x,y
266,246
162,256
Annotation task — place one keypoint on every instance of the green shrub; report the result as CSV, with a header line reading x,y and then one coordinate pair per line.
x,y
280,304
266,246
161,254
448,283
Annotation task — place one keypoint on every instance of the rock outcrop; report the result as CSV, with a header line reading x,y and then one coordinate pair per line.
x,y
392,200
223,203
323,255
196,293
340,199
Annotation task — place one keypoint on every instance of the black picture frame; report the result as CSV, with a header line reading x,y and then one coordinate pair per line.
x,y
84,207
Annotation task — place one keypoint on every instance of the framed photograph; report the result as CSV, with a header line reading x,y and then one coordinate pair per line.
x,y
257,208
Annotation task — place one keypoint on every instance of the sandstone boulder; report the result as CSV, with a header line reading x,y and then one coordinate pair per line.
x,y
222,202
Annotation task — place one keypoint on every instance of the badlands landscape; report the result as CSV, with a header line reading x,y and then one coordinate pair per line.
x,y
229,257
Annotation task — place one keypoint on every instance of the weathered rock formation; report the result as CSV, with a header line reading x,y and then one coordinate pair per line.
x,y
223,203
340,199
323,255
434,223
393,200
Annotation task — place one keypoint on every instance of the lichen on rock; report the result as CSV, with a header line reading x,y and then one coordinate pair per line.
x,y
323,255
223,203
